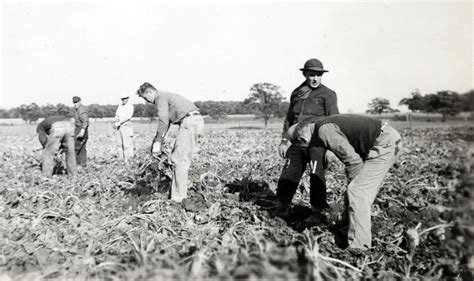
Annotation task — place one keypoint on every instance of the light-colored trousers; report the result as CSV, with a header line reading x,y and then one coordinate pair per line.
x,y
364,187
61,132
125,141
184,148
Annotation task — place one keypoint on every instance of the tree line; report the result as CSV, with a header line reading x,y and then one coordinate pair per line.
x,y
265,100
446,103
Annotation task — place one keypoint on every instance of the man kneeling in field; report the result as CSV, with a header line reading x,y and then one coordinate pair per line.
x,y
56,133
368,149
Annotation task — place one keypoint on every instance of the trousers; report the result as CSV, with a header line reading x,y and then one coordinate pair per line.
x,y
81,149
293,170
363,189
184,148
61,133
125,141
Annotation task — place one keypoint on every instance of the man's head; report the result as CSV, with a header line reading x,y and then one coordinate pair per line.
x,y
301,133
76,101
313,72
124,99
147,92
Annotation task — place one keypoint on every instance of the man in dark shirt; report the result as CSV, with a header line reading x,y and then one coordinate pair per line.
x,y
55,133
81,132
310,100
175,109
368,149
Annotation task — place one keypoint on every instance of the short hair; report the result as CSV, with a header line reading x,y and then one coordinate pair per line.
x,y
143,87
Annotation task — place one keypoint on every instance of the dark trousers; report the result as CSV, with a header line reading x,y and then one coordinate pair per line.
x,y
80,145
294,168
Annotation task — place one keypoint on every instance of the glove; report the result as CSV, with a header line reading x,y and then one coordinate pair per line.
x,y
283,148
156,149
116,125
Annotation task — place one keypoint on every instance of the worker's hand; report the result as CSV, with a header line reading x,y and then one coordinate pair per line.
x,y
116,125
81,134
283,148
156,149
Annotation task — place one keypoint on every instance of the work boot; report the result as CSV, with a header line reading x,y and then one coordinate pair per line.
x,y
282,210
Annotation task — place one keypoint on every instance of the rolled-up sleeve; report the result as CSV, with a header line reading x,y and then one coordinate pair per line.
x,y
332,137
163,119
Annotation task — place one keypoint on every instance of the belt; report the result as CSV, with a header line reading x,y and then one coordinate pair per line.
x,y
192,113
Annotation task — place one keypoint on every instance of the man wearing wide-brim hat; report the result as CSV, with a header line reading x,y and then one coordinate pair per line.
x,y
309,100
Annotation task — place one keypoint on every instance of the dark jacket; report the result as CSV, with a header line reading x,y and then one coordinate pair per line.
x,y
306,102
360,131
81,119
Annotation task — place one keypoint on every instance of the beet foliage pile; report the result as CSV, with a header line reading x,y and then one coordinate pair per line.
x,y
111,221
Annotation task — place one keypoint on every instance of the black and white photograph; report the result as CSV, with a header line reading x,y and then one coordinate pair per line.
x,y
236,140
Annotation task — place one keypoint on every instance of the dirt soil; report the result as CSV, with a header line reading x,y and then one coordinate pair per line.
x,y
115,221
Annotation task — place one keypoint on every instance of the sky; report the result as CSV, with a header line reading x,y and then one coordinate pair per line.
x,y
103,50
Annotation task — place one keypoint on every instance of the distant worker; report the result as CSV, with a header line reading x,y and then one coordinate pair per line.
x,y
123,125
368,149
310,100
55,134
175,109
81,132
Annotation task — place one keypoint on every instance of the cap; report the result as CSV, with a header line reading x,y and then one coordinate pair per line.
x,y
76,99
314,65
124,97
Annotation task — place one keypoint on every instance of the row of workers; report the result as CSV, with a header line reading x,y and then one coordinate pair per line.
x,y
312,125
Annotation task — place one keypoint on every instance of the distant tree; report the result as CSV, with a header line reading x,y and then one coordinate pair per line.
x,y
63,110
139,110
444,102
48,110
30,113
266,99
379,106
468,101
4,113
214,109
416,103
151,111
14,112
96,111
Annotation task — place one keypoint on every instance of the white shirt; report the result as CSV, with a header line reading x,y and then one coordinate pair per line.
x,y
124,113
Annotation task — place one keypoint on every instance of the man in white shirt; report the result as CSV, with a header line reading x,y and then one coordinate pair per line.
x,y
123,125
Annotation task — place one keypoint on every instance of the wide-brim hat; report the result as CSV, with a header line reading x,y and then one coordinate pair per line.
x,y
314,65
